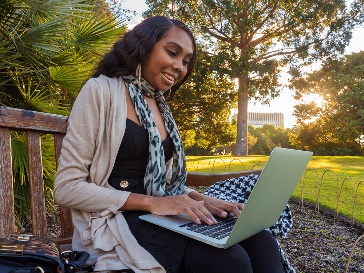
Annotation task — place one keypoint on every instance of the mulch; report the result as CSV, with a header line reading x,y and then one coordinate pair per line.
x,y
317,241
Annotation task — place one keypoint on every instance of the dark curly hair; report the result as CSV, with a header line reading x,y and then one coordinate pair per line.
x,y
136,46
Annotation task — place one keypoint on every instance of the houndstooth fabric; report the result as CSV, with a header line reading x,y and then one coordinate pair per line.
x,y
238,190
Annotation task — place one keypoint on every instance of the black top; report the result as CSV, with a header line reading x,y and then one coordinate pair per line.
x,y
132,158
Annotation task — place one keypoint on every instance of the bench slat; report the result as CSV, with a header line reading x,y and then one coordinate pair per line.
x,y
38,211
66,222
64,213
58,139
25,120
6,185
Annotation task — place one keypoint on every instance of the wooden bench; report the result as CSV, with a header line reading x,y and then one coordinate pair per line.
x,y
35,124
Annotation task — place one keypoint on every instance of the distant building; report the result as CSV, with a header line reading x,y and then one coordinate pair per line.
x,y
259,119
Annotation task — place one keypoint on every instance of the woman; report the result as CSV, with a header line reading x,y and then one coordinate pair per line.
x,y
123,157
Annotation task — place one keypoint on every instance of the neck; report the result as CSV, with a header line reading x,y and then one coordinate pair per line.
x,y
145,87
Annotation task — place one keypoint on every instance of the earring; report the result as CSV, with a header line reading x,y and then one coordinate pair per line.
x,y
139,72
169,94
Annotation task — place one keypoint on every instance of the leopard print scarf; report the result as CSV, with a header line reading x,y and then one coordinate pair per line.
x,y
155,181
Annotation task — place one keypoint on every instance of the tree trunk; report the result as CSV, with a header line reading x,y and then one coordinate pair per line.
x,y
242,119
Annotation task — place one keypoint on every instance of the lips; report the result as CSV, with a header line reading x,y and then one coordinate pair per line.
x,y
169,77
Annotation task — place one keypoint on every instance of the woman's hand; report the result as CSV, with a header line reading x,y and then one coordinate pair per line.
x,y
173,205
216,206
197,206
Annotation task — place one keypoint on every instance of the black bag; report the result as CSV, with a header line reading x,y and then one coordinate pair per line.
x,y
31,254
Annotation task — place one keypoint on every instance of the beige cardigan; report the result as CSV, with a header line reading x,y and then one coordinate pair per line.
x,y
95,130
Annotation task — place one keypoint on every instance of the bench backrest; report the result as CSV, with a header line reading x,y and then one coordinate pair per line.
x,y
35,123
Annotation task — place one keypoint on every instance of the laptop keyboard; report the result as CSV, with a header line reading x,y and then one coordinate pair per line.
x,y
220,230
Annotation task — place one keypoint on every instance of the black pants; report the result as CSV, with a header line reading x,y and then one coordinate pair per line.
x,y
258,254
178,253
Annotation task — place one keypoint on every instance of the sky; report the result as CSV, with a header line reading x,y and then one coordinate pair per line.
x,y
285,102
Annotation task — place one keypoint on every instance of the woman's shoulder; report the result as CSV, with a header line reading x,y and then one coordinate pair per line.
x,y
103,81
104,86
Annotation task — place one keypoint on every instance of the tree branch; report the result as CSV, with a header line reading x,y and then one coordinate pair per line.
x,y
214,31
257,41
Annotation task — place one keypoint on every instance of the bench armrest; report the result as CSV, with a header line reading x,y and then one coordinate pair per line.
x,y
207,179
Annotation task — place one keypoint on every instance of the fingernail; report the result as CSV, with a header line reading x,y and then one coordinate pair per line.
x,y
223,214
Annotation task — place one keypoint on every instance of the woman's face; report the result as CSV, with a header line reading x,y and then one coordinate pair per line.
x,y
169,59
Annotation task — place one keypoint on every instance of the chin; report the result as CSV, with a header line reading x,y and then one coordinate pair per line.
x,y
164,88
160,87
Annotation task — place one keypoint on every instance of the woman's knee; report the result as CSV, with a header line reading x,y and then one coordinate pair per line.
x,y
263,237
204,258
263,251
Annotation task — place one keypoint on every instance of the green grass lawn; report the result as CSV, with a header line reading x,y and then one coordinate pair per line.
x,y
330,181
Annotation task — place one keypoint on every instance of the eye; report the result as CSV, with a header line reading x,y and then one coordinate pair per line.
x,y
186,63
172,53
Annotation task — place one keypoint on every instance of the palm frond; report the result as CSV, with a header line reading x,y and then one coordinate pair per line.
x,y
71,77
97,34
44,10
36,96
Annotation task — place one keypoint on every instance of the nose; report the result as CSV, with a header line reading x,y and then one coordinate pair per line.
x,y
178,65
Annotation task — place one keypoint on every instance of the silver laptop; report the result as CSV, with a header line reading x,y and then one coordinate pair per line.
x,y
270,195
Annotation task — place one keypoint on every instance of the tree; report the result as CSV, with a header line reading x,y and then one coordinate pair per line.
x,y
252,40
268,137
47,50
334,123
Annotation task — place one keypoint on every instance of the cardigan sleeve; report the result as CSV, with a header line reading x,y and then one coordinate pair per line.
x,y
73,186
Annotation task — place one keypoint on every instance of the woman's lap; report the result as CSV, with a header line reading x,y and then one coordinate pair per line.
x,y
178,253
201,258
166,246
263,251
258,253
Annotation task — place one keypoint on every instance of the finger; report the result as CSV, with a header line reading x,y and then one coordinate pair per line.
x,y
201,213
216,211
235,210
196,215
207,217
231,208
193,216
239,205
205,208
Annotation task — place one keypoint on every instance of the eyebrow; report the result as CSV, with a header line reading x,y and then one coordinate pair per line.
x,y
179,47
